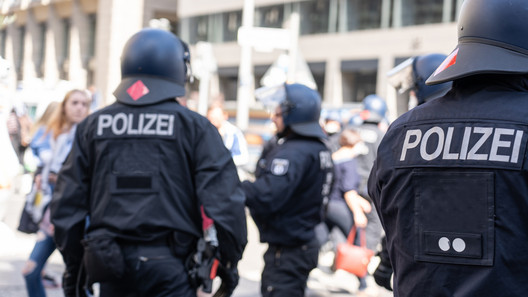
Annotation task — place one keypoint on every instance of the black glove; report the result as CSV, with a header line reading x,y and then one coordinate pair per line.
x,y
229,278
383,274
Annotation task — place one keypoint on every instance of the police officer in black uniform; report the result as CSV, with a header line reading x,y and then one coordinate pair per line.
x,y
409,78
142,170
293,175
450,181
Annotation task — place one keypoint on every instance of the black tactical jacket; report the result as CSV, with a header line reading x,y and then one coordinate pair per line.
x,y
141,172
451,186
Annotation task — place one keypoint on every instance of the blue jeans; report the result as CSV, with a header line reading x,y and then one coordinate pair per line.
x,y
41,252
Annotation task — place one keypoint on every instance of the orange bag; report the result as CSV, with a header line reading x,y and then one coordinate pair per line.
x,y
353,258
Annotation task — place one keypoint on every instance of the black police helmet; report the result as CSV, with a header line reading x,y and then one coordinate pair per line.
x,y
154,67
491,39
423,67
301,110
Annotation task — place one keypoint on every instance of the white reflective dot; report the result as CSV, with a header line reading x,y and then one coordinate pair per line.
x,y
459,245
443,244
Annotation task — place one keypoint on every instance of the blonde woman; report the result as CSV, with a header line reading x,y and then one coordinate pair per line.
x,y
52,145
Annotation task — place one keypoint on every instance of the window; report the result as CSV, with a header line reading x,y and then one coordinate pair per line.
x,y
318,72
197,28
41,55
419,12
359,79
363,14
3,45
314,17
269,16
231,22
19,64
92,29
65,50
228,79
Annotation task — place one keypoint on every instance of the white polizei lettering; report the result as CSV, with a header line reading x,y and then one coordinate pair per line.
x,y
486,133
104,121
140,123
130,129
171,124
476,144
465,143
119,117
162,124
447,155
147,124
407,144
151,117
516,146
497,143
423,148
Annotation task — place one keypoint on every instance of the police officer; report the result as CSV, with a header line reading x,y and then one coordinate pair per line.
x,y
141,170
285,201
409,78
450,177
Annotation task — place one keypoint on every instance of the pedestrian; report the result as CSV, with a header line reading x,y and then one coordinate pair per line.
x,y
232,136
370,123
346,208
293,176
450,179
333,126
54,144
409,78
18,125
142,170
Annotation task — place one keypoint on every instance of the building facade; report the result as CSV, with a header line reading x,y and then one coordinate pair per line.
x,y
349,45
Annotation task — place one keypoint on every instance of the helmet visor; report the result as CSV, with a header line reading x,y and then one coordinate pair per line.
x,y
272,96
401,77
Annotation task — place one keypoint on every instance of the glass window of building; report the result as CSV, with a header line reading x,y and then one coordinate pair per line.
x,y
3,45
92,27
318,72
362,14
194,29
65,53
89,63
41,55
231,22
420,12
269,16
359,79
215,31
314,17
19,60
228,82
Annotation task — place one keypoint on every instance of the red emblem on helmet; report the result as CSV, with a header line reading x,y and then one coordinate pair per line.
x,y
137,90
448,62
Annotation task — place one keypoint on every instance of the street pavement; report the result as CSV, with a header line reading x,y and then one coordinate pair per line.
x,y
15,248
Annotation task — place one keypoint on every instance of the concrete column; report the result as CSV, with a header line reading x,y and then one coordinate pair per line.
x,y
113,30
30,47
10,56
333,83
386,63
78,46
53,46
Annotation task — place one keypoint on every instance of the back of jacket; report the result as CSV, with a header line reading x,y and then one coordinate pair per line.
x,y
286,199
142,172
451,185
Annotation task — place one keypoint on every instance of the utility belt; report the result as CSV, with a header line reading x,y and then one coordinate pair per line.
x,y
104,260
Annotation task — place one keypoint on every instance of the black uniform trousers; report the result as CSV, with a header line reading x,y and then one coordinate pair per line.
x,y
151,271
286,269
